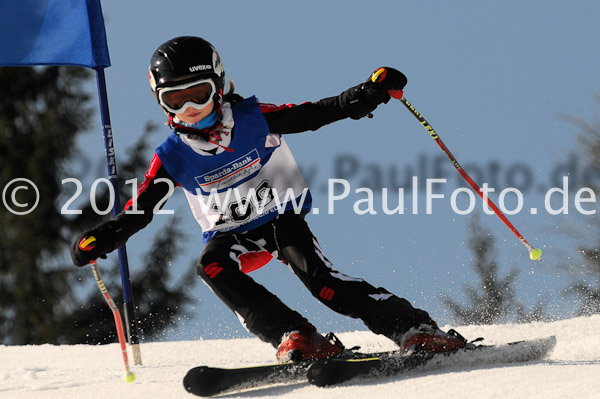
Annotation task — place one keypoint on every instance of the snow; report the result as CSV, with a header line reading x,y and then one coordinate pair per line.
x,y
572,370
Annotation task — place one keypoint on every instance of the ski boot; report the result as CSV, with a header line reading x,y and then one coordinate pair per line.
x,y
307,344
429,338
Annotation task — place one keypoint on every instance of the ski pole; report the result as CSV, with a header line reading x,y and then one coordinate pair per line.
x,y
87,244
534,253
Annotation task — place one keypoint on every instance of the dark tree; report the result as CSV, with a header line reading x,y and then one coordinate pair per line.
x,y
42,113
494,297
42,110
587,291
586,286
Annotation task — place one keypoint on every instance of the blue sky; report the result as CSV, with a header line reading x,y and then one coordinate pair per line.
x,y
493,79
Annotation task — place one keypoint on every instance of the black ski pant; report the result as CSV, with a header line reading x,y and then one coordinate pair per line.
x,y
289,238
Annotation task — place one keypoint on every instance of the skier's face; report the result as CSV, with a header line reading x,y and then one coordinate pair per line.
x,y
193,115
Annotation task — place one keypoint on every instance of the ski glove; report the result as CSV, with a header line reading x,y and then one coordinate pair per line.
x,y
385,79
361,100
103,244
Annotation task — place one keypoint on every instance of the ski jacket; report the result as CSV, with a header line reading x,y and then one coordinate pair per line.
x,y
159,179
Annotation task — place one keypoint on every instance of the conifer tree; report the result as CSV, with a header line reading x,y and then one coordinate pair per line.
x,y
42,113
494,297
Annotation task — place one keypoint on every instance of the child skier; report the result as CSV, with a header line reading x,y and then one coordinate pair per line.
x,y
228,154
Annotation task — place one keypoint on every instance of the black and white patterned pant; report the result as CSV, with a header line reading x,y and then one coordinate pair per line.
x,y
229,256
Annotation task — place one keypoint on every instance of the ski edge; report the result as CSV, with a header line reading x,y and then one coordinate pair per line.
x,y
329,372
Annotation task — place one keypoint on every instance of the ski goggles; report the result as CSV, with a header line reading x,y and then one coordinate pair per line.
x,y
197,94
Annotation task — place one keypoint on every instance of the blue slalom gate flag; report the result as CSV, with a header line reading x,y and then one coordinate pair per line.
x,y
53,32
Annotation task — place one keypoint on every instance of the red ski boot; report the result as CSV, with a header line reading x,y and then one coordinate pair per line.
x,y
307,344
430,338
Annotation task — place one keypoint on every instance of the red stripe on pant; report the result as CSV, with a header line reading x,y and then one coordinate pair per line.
x,y
212,269
326,293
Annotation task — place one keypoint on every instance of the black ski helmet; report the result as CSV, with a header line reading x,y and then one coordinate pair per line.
x,y
185,59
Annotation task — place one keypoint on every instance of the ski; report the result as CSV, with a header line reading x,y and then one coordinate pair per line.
x,y
210,381
335,371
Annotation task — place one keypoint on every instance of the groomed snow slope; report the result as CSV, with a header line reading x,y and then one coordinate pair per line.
x,y
79,371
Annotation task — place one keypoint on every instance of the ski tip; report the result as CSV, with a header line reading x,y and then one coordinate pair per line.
x,y
548,343
198,381
551,340
545,343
